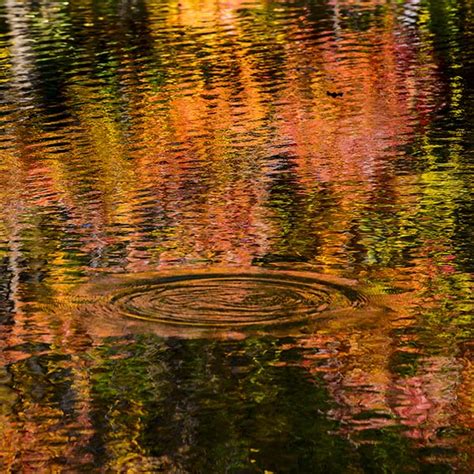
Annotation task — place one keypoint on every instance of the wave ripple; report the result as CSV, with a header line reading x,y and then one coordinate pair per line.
x,y
229,299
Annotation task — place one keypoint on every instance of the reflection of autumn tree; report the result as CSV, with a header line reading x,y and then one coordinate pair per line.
x,y
384,378
214,129
145,134
50,419
322,137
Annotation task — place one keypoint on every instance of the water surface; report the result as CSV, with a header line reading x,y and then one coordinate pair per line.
x,y
236,236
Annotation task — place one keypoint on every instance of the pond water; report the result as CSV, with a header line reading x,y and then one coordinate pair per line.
x,y
236,236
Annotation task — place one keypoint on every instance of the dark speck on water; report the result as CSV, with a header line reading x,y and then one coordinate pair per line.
x,y
334,94
236,236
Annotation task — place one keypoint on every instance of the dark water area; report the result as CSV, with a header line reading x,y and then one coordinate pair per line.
x,y
236,236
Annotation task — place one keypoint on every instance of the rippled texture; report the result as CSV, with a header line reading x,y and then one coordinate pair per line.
x,y
221,300
166,160
215,302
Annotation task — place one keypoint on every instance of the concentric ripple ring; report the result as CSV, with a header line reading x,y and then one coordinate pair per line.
x,y
218,300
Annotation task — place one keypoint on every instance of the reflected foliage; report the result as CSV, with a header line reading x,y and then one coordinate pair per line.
x,y
330,136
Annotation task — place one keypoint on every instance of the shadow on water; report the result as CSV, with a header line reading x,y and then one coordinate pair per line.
x,y
230,407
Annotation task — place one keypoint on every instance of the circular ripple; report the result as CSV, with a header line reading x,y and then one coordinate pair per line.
x,y
234,300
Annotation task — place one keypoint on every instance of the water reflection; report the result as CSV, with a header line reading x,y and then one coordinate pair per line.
x,y
148,404
330,137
